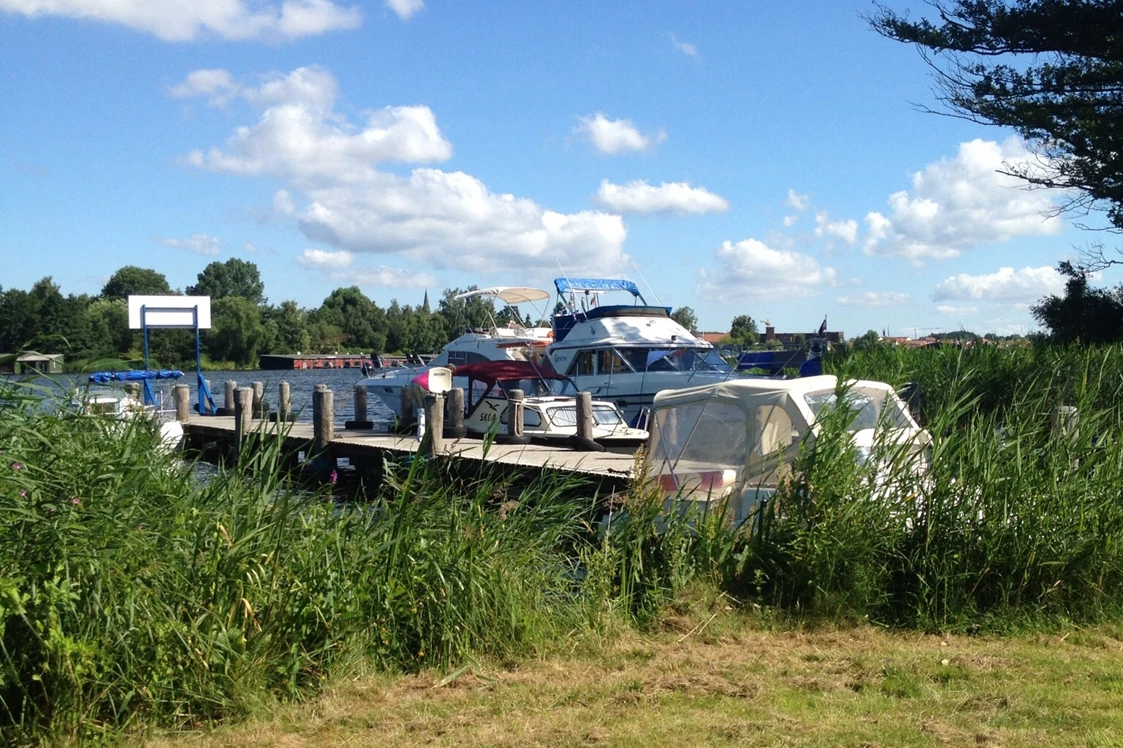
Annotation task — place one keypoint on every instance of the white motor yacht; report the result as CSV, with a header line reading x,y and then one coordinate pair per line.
x,y
497,343
626,353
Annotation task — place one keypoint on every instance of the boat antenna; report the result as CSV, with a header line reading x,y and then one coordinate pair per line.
x,y
649,288
573,303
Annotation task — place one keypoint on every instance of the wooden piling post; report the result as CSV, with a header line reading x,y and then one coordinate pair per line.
x,y
284,401
406,419
260,407
454,426
1066,423
360,421
323,418
584,415
228,404
243,415
515,412
435,423
181,396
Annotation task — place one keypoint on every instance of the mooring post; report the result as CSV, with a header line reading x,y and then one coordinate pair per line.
x,y
181,396
323,418
515,412
584,415
228,402
435,423
406,418
360,421
260,408
243,415
284,401
455,408
1066,423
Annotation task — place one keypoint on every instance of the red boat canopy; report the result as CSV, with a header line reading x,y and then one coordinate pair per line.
x,y
491,372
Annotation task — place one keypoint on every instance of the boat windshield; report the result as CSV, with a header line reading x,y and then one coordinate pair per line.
x,y
870,409
673,359
603,415
535,387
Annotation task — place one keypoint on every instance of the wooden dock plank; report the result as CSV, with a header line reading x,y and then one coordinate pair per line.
x,y
355,442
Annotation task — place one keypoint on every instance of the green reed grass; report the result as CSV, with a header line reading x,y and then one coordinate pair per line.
x,y
132,593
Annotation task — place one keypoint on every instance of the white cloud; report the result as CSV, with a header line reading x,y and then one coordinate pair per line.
x,y
613,136
318,259
670,197
217,85
405,8
1007,286
962,203
752,269
686,48
846,230
178,21
446,219
390,277
200,244
950,310
874,298
796,201
299,137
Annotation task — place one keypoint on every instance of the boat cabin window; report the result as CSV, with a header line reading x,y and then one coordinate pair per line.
x,y
610,362
870,409
459,358
531,418
583,364
674,359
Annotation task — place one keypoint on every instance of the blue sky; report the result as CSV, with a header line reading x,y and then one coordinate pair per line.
x,y
766,159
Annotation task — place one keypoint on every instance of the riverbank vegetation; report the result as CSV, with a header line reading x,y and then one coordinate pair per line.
x,y
135,596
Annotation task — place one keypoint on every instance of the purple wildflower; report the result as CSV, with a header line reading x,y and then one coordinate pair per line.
x,y
17,466
22,494
75,501
333,477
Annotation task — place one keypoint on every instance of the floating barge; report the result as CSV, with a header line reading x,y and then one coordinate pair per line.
x,y
290,362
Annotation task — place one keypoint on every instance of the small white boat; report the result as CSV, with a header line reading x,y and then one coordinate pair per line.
x,y
497,343
124,406
549,406
735,441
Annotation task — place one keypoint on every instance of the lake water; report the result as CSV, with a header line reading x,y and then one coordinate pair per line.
x,y
301,384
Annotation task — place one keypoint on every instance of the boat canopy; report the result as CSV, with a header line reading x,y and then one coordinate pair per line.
x,y
508,294
105,377
496,371
565,285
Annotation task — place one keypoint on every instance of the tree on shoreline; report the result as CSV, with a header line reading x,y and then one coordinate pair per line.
x,y
1052,70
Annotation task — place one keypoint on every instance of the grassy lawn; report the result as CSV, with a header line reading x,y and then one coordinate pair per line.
x,y
730,681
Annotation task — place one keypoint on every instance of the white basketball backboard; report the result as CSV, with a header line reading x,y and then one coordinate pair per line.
x,y
170,312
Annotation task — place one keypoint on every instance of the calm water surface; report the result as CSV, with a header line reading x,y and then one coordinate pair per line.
x,y
301,384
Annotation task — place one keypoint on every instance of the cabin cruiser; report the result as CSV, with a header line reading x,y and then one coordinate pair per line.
x,y
549,406
732,444
497,343
626,353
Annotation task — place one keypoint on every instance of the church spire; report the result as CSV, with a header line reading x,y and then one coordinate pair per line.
x,y
425,304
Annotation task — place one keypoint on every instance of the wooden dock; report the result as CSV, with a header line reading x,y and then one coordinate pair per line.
x,y
368,446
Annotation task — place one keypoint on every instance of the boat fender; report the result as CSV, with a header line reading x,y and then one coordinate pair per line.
x,y
581,444
508,439
360,425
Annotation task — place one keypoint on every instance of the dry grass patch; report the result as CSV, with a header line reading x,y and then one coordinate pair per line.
x,y
736,685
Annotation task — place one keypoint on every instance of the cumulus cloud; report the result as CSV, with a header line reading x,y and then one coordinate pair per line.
x,y
950,310
686,48
405,8
613,136
670,197
319,259
177,21
797,201
200,244
752,269
335,188
962,203
874,298
1006,286
846,230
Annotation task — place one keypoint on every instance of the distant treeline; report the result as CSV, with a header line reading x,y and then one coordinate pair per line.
x,y
90,329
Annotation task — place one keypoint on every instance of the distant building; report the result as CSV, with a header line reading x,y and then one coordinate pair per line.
x,y
713,337
788,338
32,363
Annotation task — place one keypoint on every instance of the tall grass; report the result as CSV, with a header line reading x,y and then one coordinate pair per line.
x,y
132,593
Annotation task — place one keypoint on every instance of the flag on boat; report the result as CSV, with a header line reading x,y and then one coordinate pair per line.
x,y
823,328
